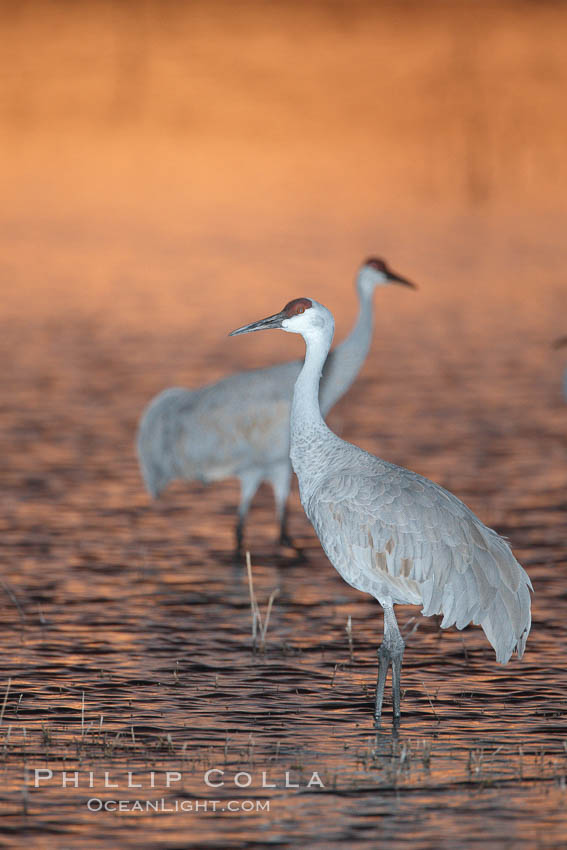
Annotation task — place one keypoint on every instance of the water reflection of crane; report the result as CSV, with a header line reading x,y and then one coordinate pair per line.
x,y
240,425
561,343
390,532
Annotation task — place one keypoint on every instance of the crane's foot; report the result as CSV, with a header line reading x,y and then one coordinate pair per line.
x,y
395,729
287,543
238,557
238,552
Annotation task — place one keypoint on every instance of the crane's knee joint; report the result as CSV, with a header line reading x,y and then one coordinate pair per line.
x,y
395,649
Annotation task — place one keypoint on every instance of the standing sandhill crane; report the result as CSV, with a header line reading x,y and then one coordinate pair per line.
x,y
389,531
240,425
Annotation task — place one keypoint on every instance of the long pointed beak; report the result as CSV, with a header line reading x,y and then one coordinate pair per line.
x,y
274,321
559,343
403,281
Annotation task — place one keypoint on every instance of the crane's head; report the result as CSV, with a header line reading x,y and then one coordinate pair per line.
x,y
300,316
375,272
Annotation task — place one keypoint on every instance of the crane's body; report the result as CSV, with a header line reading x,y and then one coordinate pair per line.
x,y
239,426
392,533
185,434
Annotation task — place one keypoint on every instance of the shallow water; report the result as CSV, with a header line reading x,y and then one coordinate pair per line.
x,y
139,609
125,629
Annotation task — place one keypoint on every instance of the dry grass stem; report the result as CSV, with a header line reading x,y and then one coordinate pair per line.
x,y
5,700
257,625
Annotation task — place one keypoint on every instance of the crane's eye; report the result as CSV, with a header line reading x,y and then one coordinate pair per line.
x,y
297,306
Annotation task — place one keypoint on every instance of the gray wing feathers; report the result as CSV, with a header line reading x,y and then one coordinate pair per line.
x,y
430,544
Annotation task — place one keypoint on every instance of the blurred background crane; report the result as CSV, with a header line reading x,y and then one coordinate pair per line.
x,y
240,426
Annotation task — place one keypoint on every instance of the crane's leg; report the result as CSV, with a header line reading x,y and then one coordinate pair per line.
x,y
249,483
280,479
391,652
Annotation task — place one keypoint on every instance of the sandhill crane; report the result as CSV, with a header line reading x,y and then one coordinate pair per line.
x,y
561,343
390,532
239,426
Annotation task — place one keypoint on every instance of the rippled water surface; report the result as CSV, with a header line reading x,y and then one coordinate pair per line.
x,y
135,235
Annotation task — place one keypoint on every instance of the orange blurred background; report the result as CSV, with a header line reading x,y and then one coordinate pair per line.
x,y
163,160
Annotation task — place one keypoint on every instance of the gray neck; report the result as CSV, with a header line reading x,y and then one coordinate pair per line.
x,y
307,425
345,362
